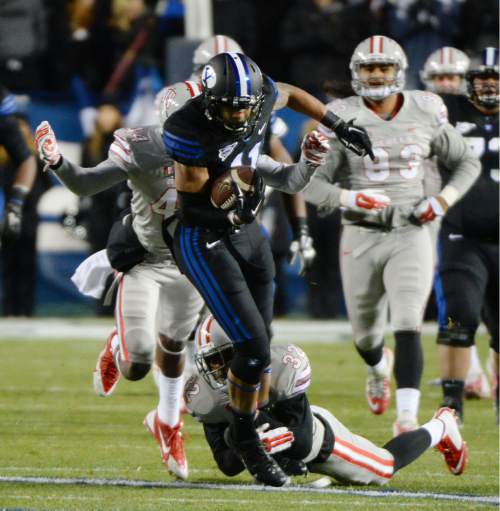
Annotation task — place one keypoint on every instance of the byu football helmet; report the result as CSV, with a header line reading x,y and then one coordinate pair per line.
x,y
378,49
485,66
171,98
445,61
211,47
214,352
232,81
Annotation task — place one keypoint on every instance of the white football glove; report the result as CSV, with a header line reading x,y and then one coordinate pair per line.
x,y
302,248
314,148
369,201
428,209
275,440
46,145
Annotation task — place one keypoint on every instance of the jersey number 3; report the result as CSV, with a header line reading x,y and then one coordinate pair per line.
x,y
379,169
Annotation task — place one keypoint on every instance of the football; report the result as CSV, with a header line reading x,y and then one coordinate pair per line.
x,y
222,194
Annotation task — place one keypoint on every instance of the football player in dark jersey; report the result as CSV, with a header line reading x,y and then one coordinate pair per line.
x,y
224,254
11,138
468,243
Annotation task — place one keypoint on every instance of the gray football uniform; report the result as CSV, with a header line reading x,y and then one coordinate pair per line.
x,y
291,375
354,459
384,256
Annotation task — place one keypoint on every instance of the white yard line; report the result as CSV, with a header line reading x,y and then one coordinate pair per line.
x,y
476,499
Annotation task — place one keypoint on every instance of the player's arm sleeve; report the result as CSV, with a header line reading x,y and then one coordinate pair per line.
x,y
195,210
89,180
284,177
12,139
323,190
453,151
227,460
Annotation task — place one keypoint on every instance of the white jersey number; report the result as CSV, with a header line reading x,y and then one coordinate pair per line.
x,y
379,170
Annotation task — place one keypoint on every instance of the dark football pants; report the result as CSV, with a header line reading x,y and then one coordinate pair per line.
x,y
234,275
466,283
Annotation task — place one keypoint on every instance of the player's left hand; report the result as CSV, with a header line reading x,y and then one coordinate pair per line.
x,y
355,138
302,248
314,148
275,440
429,209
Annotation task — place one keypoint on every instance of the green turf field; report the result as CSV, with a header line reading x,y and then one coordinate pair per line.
x,y
53,426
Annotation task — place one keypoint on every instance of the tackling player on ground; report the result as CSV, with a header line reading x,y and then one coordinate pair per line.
x,y
301,437
386,248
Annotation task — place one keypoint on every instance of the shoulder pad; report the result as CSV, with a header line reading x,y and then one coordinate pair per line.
x,y
431,104
134,148
291,371
182,139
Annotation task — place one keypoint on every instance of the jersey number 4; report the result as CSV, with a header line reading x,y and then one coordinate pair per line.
x,y
379,169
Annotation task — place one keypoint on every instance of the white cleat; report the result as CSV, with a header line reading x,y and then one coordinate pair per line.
x,y
477,387
378,386
454,450
404,423
171,444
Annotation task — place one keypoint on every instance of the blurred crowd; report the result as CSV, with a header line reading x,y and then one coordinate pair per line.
x,y
106,55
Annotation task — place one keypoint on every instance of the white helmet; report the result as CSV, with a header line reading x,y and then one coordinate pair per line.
x,y
445,61
171,98
214,352
211,47
382,50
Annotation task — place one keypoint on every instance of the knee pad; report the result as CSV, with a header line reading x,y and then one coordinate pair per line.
x,y
456,336
248,368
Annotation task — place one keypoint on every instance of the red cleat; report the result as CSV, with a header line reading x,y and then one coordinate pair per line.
x,y
106,374
454,450
171,444
378,386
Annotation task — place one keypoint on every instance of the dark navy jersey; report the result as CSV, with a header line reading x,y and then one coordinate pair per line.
x,y
194,140
476,214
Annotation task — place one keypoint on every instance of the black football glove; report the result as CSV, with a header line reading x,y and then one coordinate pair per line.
x,y
248,204
354,138
13,215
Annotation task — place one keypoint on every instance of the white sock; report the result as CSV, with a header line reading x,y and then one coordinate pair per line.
x,y
475,365
407,401
435,427
169,405
381,367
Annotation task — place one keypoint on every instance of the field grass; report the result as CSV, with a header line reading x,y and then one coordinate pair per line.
x,y
53,426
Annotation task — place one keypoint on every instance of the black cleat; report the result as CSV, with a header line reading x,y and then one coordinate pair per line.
x,y
262,467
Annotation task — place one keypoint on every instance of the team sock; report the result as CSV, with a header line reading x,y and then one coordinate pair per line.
x,y
373,356
435,427
169,405
407,447
407,401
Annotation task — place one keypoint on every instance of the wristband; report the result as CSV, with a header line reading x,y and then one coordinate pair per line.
x,y
299,226
331,121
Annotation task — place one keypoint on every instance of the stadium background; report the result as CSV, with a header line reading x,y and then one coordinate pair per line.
x,y
304,42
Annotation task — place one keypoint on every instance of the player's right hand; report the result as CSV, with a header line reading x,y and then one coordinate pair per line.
x,y
275,440
46,144
248,204
368,201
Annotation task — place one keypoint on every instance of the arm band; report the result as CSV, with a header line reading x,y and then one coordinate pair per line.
x,y
195,210
331,121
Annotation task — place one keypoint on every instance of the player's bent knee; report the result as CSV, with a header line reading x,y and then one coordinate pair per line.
x,y
249,368
134,371
170,346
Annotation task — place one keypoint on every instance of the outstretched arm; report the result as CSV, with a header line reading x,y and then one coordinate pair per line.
x,y
79,180
353,137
